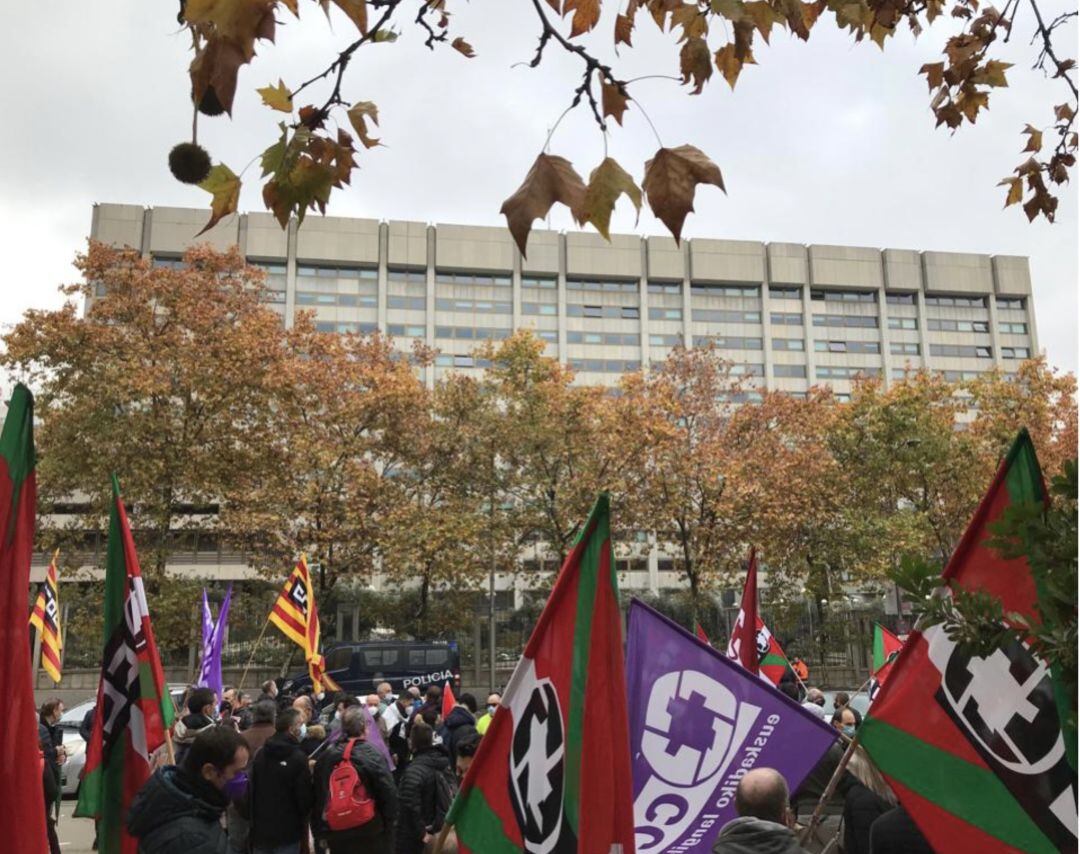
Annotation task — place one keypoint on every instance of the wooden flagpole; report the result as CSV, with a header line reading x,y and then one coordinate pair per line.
x,y
251,658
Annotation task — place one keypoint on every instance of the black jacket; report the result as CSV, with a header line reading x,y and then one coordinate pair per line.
x,y
896,833
378,834
418,808
459,725
280,792
861,809
174,813
86,728
397,741
748,835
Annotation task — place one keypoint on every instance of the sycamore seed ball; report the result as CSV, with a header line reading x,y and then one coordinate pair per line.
x,y
189,163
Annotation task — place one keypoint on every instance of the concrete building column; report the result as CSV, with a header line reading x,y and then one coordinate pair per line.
x,y
808,323
290,272
766,323
643,306
687,310
883,323
384,279
429,303
560,298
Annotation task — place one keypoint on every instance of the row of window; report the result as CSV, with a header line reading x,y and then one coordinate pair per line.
x,y
904,348
630,287
837,372
710,315
715,290
964,302
935,324
849,320
962,351
728,342
619,339
478,306
795,371
605,366
400,330
345,328
411,303
1015,353
448,360
347,300
330,271
468,333
788,344
1013,328
665,340
625,312
847,347
484,279
843,296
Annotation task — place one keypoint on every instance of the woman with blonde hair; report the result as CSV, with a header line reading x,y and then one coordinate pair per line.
x,y
866,796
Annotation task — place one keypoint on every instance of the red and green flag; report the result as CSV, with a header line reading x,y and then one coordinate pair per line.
x,y
553,771
22,807
134,709
973,747
751,643
886,648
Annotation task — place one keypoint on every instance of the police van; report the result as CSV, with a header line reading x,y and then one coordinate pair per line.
x,y
359,667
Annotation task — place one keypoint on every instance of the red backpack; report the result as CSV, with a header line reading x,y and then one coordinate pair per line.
x,y
349,805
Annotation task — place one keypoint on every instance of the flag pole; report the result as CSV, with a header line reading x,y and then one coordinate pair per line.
x,y
815,817
169,751
251,658
440,840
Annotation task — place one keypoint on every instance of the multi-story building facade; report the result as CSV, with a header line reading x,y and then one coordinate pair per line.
x,y
789,315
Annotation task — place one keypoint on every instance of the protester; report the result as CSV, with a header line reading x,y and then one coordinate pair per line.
x,y
764,822
789,690
895,833
269,690
279,790
342,702
847,720
386,694
397,716
866,797
238,816
200,717
240,703
50,786
312,734
432,701
225,716
840,700
466,750
815,702
377,835
86,727
459,724
373,706
493,701
424,793
178,810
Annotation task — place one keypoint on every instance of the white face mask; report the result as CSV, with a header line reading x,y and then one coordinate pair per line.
x,y
303,731
491,709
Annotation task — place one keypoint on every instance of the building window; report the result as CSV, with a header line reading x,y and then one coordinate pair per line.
x,y
788,344
661,287
780,292
903,348
728,342
836,372
1013,328
448,277
411,303
414,275
1012,302
718,290
847,346
796,371
467,333
614,339
336,271
903,323
936,324
748,369
960,351
1015,353
843,296
601,285
167,263
897,298
709,315
899,373
271,268
345,328
474,305
656,313
548,309
665,340
963,302
959,376
610,366
546,282
853,320
401,330
346,300
785,319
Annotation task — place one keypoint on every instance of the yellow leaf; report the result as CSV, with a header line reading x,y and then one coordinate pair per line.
x,y
1016,190
606,183
277,97
729,64
357,114
223,184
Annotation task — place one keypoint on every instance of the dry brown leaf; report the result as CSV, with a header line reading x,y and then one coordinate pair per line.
x,y
586,15
613,100
551,179
624,26
463,47
695,63
671,178
355,10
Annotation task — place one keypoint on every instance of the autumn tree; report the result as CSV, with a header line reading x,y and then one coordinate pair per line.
x,y
315,153
166,381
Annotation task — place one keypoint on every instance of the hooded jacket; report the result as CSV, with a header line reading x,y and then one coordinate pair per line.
x,y
459,725
280,792
419,811
185,730
174,813
748,835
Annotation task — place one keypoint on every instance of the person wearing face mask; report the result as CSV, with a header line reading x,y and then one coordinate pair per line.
x,y
280,793
493,700
178,810
373,706
309,741
847,720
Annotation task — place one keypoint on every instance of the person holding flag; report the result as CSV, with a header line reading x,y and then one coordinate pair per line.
x,y
134,710
295,613
553,770
22,807
45,618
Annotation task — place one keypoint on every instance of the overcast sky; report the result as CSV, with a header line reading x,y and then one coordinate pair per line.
x,y
827,142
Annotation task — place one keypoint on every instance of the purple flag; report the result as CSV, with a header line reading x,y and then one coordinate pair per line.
x,y
698,723
213,637
374,738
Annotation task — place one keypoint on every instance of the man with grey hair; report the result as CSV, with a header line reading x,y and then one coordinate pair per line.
x,y
764,822
815,702
377,835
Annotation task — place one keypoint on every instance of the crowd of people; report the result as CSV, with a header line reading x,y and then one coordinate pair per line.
x,y
285,774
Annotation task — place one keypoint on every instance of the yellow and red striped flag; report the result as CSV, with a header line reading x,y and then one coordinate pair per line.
x,y
294,612
46,619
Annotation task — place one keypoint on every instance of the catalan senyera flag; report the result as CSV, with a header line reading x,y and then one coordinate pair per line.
x,y
295,613
22,808
134,708
45,618
974,747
